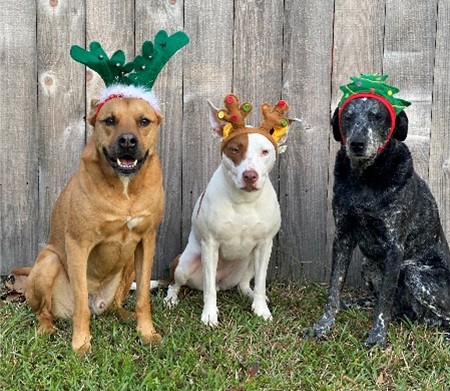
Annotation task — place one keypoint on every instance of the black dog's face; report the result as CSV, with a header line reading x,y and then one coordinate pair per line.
x,y
365,124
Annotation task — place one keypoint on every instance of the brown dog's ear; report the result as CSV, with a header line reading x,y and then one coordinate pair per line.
x,y
93,110
401,126
335,125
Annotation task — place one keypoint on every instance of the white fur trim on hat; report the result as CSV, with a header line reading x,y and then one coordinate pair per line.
x,y
131,92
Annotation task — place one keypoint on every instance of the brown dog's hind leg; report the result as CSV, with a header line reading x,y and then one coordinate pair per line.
x,y
40,288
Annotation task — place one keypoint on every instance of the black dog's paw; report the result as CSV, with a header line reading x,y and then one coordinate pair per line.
x,y
376,338
320,329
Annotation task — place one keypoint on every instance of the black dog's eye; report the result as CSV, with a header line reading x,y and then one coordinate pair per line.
x,y
375,116
110,121
348,115
144,122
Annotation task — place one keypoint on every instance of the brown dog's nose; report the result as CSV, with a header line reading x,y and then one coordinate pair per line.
x,y
250,176
127,141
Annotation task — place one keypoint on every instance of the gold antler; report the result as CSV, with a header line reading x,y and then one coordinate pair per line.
x,y
275,122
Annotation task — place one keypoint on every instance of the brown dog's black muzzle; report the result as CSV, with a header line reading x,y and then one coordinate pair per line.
x,y
125,155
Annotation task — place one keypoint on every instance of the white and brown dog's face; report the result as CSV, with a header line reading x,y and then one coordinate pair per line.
x,y
248,160
126,133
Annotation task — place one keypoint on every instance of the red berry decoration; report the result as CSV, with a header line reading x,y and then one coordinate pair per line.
x,y
234,118
281,103
230,99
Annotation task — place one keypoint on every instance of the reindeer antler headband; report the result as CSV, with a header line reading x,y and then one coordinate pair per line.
x,y
274,126
135,78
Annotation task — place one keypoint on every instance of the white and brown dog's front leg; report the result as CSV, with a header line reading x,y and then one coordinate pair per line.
x,y
261,261
210,259
77,257
143,261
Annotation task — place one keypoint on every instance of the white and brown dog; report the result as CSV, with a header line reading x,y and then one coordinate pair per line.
x,y
236,218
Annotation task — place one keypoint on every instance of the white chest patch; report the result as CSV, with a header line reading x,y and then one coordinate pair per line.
x,y
132,222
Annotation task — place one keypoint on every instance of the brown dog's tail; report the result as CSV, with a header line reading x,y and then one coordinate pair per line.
x,y
21,271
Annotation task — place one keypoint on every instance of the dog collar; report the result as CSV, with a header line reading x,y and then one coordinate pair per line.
x,y
385,102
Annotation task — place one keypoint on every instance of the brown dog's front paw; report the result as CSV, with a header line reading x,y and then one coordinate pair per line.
x,y
46,328
152,338
81,344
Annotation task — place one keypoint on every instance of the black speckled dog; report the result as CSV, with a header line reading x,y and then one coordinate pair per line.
x,y
384,207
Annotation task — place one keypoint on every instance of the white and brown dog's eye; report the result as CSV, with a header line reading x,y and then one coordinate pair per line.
x,y
265,152
110,121
234,150
144,122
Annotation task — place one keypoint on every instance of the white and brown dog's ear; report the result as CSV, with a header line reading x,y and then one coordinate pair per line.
x,y
401,126
92,112
335,125
216,124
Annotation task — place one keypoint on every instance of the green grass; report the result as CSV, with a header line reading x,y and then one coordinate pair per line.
x,y
243,353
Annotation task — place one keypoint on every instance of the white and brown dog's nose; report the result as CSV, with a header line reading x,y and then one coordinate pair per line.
x,y
250,177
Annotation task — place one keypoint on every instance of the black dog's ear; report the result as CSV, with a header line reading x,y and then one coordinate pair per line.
x,y
335,125
401,126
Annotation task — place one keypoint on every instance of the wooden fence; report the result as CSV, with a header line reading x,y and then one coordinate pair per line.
x,y
300,50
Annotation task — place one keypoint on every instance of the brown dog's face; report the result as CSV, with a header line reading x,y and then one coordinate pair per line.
x,y
125,132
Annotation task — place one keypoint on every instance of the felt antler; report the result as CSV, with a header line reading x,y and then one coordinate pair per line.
x,y
142,71
274,126
234,114
275,122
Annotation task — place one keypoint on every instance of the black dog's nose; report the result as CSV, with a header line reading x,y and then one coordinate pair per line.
x,y
357,145
127,141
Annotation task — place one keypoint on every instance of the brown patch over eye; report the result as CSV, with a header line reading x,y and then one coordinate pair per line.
x,y
236,148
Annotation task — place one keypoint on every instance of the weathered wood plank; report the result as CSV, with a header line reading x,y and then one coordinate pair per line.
x,y
18,123
408,58
152,16
207,67
358,48
258,64
304,168
439,159
61,101
112,24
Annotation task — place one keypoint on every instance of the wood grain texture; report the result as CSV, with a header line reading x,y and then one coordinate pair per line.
x,y
258,65
60,112
208,74
358,48
19,129
152,16
439,159
304,167
409,51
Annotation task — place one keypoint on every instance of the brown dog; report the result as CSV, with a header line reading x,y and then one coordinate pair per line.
x,y
103,225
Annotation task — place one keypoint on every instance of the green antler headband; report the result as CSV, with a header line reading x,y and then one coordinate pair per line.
x,y
135,78
374,84
142,71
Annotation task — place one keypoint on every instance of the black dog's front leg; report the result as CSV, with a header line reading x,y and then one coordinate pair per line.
x,y
343,247
386,294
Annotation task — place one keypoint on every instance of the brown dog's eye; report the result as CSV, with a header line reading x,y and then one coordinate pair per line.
x,y
233,150
110,121
144,122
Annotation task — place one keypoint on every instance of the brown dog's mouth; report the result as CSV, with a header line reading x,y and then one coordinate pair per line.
x,y
124,164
